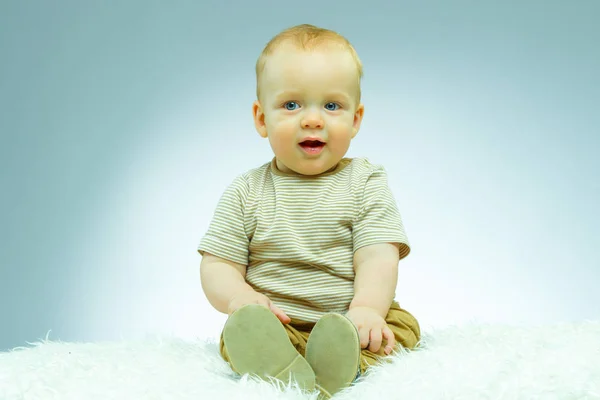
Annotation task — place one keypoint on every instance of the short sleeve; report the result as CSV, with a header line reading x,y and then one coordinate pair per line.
x,y
378,219
226,235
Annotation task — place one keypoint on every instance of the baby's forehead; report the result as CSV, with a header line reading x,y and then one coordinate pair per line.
x,y
295,69
303,89
295,63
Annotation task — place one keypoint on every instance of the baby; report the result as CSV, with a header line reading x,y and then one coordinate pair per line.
x,y
302,252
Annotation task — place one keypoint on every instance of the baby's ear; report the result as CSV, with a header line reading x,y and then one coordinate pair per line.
x,y
259,118
358,116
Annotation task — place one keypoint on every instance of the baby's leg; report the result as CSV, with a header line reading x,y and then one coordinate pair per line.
x,y
255,342
406,331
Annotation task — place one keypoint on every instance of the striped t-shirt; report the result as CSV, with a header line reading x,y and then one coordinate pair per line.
x,y
297,234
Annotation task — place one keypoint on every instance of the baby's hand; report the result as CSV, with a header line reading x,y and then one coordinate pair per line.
x,y
372,329
252,297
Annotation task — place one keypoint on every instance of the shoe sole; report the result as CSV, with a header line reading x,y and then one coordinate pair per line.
x,y
333,352
258,344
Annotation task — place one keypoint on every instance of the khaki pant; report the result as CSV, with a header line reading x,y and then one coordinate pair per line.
x,y
404,326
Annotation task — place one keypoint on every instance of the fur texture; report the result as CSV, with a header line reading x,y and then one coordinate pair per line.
x,y
474,361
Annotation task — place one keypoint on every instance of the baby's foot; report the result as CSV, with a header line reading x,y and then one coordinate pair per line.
x,y
333,352
258,344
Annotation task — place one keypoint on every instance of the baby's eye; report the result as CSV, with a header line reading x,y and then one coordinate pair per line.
x,y
290,105
331,106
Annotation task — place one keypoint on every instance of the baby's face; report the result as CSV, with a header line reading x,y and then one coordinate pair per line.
x,y
308,109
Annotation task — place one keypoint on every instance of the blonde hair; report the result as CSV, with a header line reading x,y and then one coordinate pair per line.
x,y
306,37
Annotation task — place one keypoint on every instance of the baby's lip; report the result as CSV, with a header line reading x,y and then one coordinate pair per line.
x,y
312,139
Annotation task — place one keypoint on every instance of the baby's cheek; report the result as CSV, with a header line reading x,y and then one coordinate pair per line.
x,y
341,125
286,131
341,133
280,139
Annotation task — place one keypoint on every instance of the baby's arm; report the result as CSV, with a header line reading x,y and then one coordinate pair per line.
x,y
376,269
224,284
222,280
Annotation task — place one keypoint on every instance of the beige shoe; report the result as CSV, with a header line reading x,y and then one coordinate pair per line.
x,y
333,351
258,344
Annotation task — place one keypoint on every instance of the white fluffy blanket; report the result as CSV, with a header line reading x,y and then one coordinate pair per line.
x,y
470,362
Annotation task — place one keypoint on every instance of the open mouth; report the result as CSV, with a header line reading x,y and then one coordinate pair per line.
x,y
312,144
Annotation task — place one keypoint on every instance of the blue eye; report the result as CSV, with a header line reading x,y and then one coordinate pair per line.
x,y
335,106
287,105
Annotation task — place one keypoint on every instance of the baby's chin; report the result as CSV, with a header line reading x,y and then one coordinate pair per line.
x,y
312,168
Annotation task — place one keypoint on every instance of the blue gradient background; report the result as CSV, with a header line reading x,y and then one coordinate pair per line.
x,y
123,122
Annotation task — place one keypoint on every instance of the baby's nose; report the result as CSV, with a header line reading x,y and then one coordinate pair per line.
x,y
312,122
